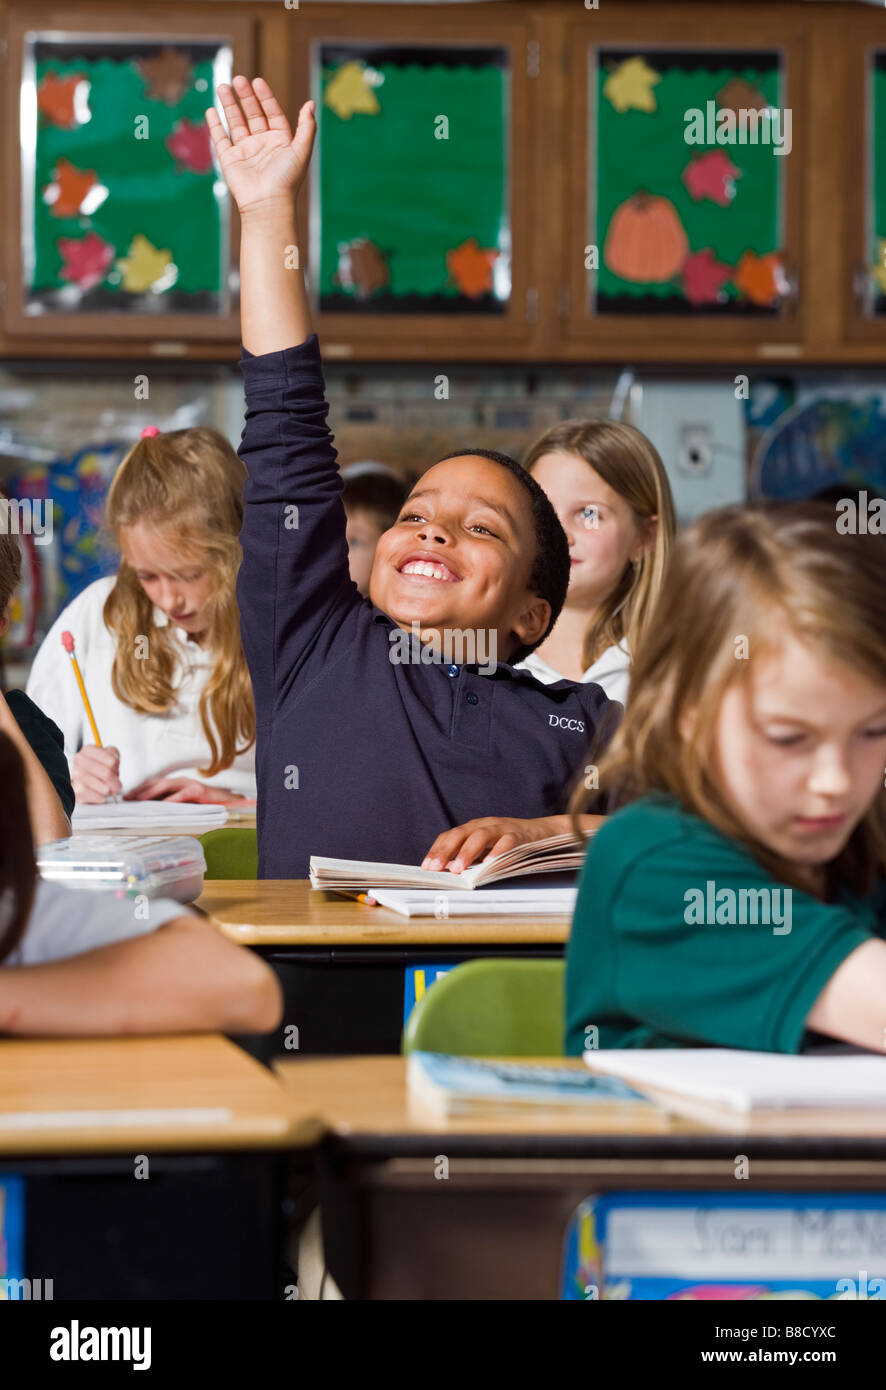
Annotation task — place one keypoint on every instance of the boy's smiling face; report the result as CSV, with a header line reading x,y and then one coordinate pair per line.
x,y
461,554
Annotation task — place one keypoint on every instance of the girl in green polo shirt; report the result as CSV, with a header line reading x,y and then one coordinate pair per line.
x,y
737,898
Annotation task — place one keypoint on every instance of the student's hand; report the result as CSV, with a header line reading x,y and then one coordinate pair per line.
x,y
96,774
262,161
181,789
457,849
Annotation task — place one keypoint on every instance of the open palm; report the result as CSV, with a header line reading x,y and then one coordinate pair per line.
x,y
261,159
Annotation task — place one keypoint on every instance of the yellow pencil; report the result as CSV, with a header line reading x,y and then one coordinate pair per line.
x,y
68,644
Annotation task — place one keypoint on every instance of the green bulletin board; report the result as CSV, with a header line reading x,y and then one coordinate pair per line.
x,y
687,227
411,182
876,209
123,208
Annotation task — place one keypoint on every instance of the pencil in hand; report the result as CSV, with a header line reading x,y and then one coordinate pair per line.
x,y
68,644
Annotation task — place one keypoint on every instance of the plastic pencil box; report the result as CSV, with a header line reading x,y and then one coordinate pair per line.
x,y
128,866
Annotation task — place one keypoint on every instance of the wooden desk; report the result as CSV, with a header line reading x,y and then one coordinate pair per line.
x,y
152,1167
394,1227
343,965
287,912
125,1095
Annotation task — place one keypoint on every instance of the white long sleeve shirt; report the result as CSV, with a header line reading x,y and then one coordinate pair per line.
x,y
151,745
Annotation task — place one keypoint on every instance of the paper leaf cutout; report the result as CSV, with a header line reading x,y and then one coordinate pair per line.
x,y
470,267
362,267
168,76
191,146
349,92
86,260
712,176
704,277
646,242
739,95
143,265
60,101
629,86
66,194
761,278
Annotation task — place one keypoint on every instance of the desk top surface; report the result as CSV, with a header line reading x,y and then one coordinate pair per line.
x,y
276,912
142,1095
365,1099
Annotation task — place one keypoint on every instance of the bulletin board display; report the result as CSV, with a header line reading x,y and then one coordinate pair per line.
x,y
410,192
124,211
876,208
686,207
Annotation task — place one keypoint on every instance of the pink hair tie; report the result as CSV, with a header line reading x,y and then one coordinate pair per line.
x,y
149,432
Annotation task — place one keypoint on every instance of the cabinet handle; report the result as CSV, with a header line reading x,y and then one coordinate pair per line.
x,y
791,282
861,288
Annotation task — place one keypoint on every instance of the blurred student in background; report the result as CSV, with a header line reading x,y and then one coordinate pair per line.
x,y
373,495
611,494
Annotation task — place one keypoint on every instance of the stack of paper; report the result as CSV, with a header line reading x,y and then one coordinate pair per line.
x,y
722,1086
498,902
148,815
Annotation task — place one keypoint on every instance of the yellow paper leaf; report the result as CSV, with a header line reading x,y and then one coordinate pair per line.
x,y
144,265
349,93
629,86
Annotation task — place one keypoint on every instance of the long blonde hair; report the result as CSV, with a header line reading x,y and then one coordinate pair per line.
x,y
750,573
189,482
632,466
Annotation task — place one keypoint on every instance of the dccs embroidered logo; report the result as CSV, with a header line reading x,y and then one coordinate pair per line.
x,y
558,721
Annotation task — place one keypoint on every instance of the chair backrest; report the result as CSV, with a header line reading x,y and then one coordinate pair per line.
x,y
492,1008
231,852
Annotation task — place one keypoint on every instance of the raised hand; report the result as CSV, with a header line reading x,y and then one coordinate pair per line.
x,y
262,161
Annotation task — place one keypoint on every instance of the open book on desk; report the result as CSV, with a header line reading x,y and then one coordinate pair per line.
x,y
557,854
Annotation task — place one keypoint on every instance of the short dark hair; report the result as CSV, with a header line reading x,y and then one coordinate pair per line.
x,y
549,576
379,493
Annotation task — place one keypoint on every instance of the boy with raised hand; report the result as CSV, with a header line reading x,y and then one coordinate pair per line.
x,y
374,734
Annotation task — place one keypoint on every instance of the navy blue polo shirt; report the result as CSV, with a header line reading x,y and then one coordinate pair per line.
x,y
357,755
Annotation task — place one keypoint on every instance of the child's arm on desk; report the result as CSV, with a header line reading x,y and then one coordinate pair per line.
x,y
184,977
294,574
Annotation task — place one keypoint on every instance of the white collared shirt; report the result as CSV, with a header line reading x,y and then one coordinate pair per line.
x,y
611,670
151,745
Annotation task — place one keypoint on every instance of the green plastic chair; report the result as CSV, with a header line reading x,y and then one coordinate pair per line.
x,y
231,852
492,1008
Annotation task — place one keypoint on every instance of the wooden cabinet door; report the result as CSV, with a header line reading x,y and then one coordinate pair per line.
x,y
120,226
683,224
417,218
864,287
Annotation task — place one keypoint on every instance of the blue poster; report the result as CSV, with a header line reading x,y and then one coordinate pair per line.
x,y
12,1231
418,979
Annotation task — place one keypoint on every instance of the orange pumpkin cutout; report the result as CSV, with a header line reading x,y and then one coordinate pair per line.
x,y
646,242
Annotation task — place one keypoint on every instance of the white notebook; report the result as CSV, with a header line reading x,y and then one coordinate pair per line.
x,y
750,1082
147,815
504,902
